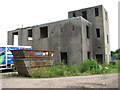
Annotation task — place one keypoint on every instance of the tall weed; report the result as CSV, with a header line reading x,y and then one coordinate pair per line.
x,y
91,66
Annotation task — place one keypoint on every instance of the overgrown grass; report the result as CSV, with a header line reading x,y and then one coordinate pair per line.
x,y
88,67
10,75
93,67
60,70
111,68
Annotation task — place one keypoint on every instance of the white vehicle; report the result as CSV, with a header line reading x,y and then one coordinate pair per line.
x,y
6,56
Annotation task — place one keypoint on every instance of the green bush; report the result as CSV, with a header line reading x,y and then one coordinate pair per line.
x,y
91,66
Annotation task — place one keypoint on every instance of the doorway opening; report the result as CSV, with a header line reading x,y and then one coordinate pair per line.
x,y
99,58
15,38
64,57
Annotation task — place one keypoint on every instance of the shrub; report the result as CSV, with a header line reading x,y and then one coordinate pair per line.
x,y
91,66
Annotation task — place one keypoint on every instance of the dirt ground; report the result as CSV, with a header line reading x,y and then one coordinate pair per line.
x,y
93,81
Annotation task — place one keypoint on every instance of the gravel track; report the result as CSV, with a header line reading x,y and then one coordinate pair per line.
x,y
93,81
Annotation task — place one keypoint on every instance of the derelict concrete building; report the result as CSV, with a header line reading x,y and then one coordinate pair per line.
x,y
84,35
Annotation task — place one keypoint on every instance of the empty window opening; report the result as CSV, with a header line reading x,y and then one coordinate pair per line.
x,y
52,31
44,32
96,12
74,15
99,58
106,15
88,55
30,34
61,29
73,27
15,38
107,39
98,32
99,47
84,14
64,57
87,31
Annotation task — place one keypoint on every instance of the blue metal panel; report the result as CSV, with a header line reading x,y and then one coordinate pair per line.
x,y
24,48
9,54
2,52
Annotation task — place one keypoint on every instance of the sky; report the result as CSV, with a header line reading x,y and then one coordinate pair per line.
x,y
17,13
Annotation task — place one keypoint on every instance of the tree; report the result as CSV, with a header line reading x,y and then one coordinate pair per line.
x,y
117,53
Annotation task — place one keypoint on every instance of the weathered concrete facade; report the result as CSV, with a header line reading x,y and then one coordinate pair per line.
x,y
67,36
98,17
73,39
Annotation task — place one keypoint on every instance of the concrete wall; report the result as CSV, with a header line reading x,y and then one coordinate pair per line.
x,y
65,36
22,37
87,45
24,40
11,37
99,44
106,32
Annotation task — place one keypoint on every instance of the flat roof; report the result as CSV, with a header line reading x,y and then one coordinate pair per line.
x,y
53,22
65,20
